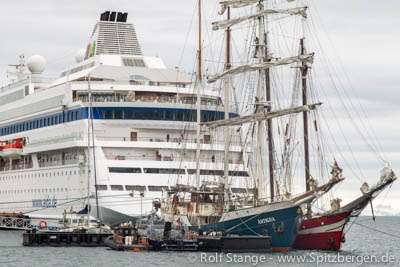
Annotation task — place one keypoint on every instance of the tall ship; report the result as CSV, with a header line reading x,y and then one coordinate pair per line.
x,y
116,121
263,79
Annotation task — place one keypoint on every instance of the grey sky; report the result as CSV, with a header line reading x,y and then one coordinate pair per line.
x,y
360,39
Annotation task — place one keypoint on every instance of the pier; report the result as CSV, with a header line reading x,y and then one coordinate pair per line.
x,y
32,238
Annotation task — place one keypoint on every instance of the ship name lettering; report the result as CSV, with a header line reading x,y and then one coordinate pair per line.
x,y
266,220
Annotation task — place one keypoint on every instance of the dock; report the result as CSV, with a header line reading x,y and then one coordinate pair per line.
x,y
32,238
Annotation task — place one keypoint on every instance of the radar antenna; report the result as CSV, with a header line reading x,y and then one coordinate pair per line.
x,y
19,74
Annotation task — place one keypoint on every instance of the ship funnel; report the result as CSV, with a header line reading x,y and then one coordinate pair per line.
x,y
113,36
114,16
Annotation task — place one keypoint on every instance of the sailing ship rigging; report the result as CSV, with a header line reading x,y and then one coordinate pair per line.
x,y
209,206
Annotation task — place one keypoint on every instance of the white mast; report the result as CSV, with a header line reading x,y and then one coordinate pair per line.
x,y
260,124
88,154
198,105
90,121
226,109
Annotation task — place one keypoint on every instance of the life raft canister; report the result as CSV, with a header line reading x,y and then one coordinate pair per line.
x,y
42,224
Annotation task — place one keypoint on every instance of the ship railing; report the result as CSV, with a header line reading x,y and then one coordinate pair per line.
x,y
53,163
144,99
165,140
10,222
138,82
166,158
8,167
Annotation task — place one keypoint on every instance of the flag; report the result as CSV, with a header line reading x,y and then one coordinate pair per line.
x,y
179,220
182,136
238,130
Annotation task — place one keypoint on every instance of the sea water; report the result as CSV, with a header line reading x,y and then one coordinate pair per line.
x,y
368,243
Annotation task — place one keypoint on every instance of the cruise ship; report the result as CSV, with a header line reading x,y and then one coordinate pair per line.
x,y
131,140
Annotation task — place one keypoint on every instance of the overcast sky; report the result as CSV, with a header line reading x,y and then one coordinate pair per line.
x,y
360,38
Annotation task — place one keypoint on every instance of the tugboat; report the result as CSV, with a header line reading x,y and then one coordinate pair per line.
x,y
127,238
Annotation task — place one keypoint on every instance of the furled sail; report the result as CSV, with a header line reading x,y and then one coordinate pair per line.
x,y
235,4
264,65
262,116
228,23
238,3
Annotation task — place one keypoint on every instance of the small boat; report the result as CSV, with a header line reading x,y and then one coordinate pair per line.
x,y
127,238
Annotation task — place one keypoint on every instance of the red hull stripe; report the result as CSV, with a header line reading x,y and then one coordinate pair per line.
x,y
324,220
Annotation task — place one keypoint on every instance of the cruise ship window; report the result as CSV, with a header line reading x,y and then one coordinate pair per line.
x,y
168,115
159,115
179,116
148,115
140,188
124,170
138,115
101,187
164,171
117,188
117,114
128,115
157,188
191,116
107,115
238,173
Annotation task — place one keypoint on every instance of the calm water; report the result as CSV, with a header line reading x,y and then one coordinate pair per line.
x,y
362,246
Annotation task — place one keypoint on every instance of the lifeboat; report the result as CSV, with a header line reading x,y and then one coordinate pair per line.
x,y
2,145
13,149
